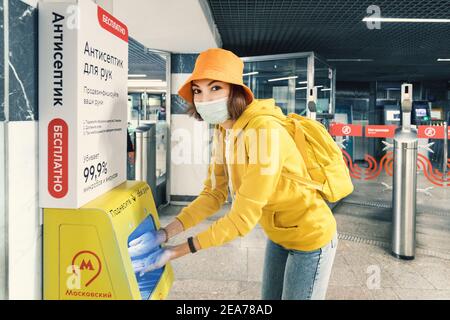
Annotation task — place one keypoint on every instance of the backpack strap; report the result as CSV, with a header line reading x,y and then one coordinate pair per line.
x,y
300,141
308,182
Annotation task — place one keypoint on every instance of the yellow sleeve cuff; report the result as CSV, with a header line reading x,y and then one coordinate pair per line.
x,y
204,238
186,220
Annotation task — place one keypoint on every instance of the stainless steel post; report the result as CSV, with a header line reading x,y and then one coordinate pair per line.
x,y
146,160
141,167
405,182
445,153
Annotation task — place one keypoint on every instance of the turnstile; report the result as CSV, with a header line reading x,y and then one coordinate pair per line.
x,y
404,182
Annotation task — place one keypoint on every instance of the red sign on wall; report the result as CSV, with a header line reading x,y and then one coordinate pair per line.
x,y
341,129
430,132
58,147
380,131
111,24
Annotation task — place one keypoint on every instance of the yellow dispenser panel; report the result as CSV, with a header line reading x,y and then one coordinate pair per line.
x,y
86,250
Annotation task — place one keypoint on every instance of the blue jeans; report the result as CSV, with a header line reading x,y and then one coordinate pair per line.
x,y
297,275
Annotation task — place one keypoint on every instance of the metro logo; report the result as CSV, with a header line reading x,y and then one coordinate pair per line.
x,y
88,262
86,266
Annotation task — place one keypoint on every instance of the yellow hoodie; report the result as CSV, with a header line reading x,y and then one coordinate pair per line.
x,y
260,165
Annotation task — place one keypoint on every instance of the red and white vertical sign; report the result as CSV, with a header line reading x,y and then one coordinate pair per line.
x,y
83,72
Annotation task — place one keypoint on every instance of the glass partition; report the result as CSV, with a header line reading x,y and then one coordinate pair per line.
x,y
285,80
3,213
149,104
323,80
287,77
3,227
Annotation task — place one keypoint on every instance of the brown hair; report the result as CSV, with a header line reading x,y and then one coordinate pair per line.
x,y
236,103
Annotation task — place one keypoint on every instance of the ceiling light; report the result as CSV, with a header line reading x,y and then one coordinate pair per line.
x,y
443,59
350,60
414,20
303,82
137,75
285,78
301,88
250,73
326,89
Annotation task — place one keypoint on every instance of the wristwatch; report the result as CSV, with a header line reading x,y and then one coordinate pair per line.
x,y
190,241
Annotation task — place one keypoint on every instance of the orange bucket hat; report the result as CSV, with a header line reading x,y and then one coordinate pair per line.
x,y
216,64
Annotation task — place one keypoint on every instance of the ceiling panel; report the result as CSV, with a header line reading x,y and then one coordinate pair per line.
x,y
334,29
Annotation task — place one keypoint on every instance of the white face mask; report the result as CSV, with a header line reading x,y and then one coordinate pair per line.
x,y
213,112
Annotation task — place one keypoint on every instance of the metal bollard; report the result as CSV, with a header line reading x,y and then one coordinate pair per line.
x,y
146,158
141,168
405,183
445,153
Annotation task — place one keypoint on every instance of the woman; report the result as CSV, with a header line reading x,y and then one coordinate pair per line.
x,y
299,224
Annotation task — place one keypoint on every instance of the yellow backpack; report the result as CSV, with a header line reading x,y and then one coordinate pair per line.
x,y
324,160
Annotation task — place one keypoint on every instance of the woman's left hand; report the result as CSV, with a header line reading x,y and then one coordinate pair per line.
x,y
154,260
161,257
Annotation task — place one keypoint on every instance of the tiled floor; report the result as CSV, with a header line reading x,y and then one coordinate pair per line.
x,y
361,271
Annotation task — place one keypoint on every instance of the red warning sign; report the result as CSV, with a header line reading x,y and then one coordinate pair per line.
x,y
380,131
342,129
430,132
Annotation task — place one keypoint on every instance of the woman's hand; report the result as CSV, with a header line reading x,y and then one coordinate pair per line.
x,y
174,228
146,243
153,261
152,239
161,257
